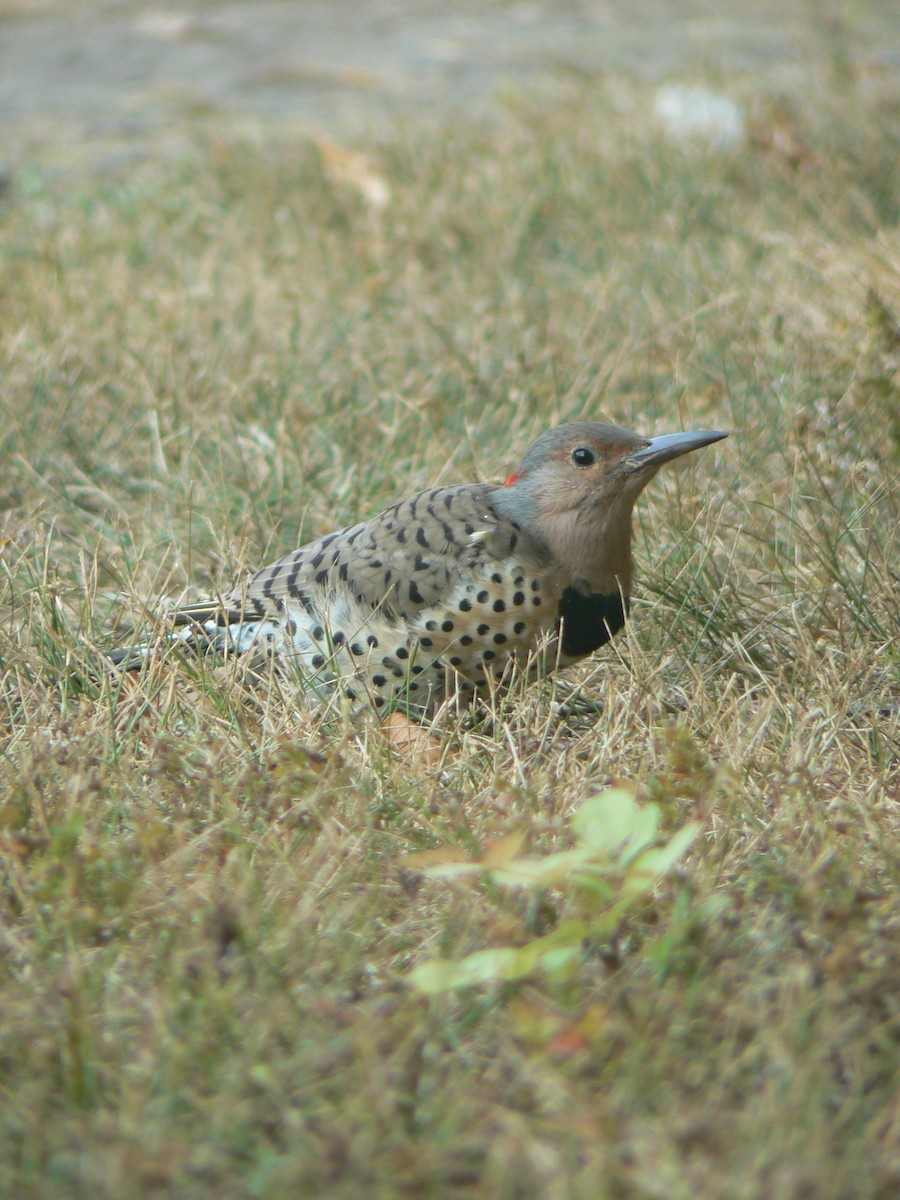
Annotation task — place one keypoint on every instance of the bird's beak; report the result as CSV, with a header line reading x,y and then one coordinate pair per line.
x,y
662,449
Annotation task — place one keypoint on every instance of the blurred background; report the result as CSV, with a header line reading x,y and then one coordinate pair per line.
x,y
267,267
101,77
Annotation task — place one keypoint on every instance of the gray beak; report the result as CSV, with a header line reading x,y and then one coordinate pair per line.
x,y
671,445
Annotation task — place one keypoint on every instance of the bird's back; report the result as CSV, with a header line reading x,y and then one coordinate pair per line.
x,y
437,588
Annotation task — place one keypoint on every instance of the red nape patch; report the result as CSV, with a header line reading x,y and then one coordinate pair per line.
x,y
512,479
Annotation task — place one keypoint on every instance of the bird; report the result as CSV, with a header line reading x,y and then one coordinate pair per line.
x,y
444,595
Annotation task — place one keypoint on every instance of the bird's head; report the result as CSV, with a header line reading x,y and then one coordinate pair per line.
x,y
575,489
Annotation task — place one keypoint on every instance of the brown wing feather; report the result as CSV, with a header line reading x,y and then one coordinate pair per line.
x,y
401,561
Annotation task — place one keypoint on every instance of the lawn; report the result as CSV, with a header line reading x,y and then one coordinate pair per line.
x,y
209,929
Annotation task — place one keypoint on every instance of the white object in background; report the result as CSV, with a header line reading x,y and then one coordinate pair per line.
x,y
693,114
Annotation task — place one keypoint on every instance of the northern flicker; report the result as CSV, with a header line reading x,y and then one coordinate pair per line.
x,y
441,594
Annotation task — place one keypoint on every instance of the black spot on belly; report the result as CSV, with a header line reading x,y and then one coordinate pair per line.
x,y
589,621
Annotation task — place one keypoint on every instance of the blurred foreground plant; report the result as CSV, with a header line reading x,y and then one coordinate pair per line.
x,y
614,864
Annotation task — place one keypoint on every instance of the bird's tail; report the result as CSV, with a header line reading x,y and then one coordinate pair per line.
x,y
205,627
199,628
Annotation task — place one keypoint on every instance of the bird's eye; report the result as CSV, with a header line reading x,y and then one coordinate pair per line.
x,y
583,457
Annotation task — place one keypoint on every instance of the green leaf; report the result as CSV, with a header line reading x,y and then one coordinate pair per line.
x,y
442,975
500,965
613,819
644,832
538,872
646,870
519,872
610,882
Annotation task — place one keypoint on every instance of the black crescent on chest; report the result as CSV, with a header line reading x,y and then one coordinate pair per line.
x,y
588,621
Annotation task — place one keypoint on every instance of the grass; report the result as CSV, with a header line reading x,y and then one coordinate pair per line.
x,y
206,936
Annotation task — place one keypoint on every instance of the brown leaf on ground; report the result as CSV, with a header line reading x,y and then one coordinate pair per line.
x,y
348,168
412,742
423,859
501,851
